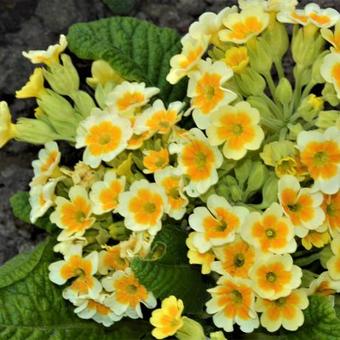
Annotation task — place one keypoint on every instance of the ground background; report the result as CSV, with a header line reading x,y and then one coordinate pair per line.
x,y
35,24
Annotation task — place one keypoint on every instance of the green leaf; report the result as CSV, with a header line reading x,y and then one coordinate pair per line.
x,y
21,209
171,273
33,308
138,50
120,7
321,322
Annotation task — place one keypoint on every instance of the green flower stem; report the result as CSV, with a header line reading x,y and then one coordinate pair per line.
x,y
271,123
273,106
297,89
305,261
279,68
283,134
270,83
307,89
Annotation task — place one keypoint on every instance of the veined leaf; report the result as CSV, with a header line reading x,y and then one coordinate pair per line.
x,y
33,308
21,209
138,50
171,274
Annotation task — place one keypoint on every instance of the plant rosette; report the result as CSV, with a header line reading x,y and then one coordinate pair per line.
x,y
202,197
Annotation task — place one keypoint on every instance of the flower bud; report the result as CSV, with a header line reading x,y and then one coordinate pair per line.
x,y
310,107
34,87
243,170
327,119
83,102
284,91
7,129
256,178
269,191
330,95
102,92
63,78
191,329
250,83
102,73
260,55
316,75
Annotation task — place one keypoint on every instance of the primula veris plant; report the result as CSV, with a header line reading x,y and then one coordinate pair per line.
x,y
202,199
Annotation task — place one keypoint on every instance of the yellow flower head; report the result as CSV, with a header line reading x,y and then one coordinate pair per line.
x,y
332,37
74,215
237,127
7,129
319,17
104,194
285,311
158,119
167,320
143,206
127,97
206,90
330,70
34,87
333,264
320,153
205,260
82,269
110,259
235,258
217,224
331,208
173,187
233,302
104,136
128,294
301,205
103,73
96,309
316,239
275,276
197,160
137,140
324,285
270,231
245,25
155,160
237,58
183,63
50,56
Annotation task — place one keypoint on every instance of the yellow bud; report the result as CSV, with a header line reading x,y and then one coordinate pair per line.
x,y
310,107
34,87
7,129
102,73
237,58
190,330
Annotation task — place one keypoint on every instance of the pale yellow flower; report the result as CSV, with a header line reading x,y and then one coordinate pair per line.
x,y
7,129
34,87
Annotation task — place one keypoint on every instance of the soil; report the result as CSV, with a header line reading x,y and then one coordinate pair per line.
x,y
35,24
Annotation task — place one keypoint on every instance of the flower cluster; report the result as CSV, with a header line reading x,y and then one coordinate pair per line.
x,y
248,166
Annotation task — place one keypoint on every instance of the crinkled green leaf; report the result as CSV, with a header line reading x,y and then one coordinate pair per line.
x,y
33,308
321,322
21,209
171,273
138,50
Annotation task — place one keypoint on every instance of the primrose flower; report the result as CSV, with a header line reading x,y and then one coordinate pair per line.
x,y
244,25
320,152
110,259
205,260
97,310
127,294
237,58
333,264
275,276
7,129
235,258
210,24
173,187
332,37
206,90
143,206
34,87
138,244
237,127
158,119
183,63
330,70
331,208
41,199
104,194
46,164
127,97
324,285
155,160
319,17
82,269
167,320
136,141
233,302
285,311
197,160
74,215
301,205
269,232
294,16
217,224
50,56
104,136
72,246
316,239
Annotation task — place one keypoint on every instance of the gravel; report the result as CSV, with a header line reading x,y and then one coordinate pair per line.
x,y
35,24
